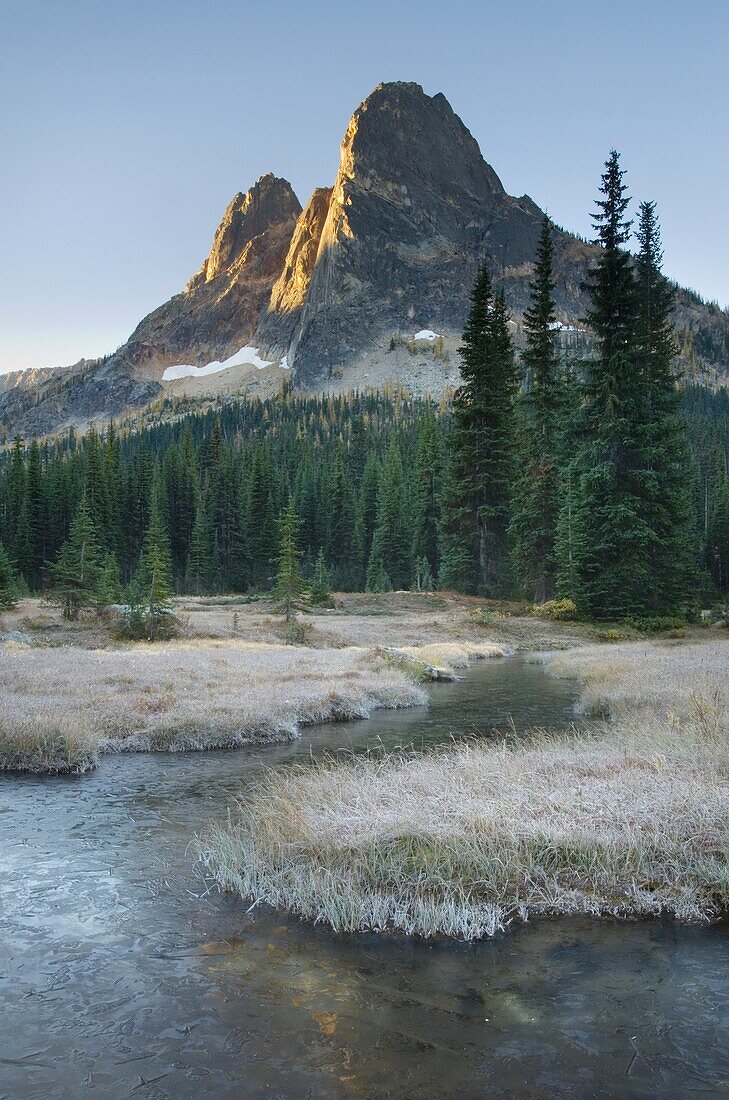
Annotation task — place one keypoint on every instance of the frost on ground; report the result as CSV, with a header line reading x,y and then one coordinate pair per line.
x,y
63,706
629,819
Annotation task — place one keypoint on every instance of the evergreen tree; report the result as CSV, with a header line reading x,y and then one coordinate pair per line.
x,y
540,415
8,582
343,543
474,554
611,564
717,529
76,576
110,587
319,591
152,585
426,498
289,588
391,544
261,518
369,493
668,510
201,566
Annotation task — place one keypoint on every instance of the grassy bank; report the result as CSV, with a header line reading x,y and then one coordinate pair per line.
x,y
631,819
64,706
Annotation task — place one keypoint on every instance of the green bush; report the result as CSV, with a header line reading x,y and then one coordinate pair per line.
x,y
135,624
655,624
556,610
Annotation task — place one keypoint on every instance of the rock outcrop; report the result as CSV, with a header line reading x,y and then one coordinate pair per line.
x,y
392,248
414,209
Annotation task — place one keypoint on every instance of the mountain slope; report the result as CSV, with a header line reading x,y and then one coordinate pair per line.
x,y
392,248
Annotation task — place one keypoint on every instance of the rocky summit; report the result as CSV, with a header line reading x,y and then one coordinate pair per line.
x,y
334,290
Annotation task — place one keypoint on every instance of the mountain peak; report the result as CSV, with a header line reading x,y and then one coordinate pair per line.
x,y
269,203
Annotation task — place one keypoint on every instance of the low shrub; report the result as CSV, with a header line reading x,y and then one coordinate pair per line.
x,y
655,624
135,624
556,610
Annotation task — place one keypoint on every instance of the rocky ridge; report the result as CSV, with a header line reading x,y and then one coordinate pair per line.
x,y
343,285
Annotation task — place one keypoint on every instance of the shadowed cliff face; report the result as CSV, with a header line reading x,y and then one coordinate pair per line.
x,y
222,304
413,211
392,248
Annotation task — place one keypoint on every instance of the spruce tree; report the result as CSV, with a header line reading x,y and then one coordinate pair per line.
x,y
717,529
319,591
426,499
668,510
150,592
476,501
289,588
74,580
344,539
390,557
201,567
8,582
611,564
540,413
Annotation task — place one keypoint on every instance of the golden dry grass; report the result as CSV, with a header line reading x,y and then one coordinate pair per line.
x,y
630,819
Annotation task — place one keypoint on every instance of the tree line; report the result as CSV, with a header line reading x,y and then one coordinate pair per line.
x,y
595,479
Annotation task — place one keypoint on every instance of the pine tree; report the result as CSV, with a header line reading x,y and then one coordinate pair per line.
x,y
8,582
319,591
611,565
390,556
343,542
668,509
426,492
151,588
476,501
289,588
717,529
540,415
76,576
110,587
201,566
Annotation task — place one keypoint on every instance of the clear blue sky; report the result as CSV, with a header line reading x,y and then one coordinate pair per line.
x,y
127,126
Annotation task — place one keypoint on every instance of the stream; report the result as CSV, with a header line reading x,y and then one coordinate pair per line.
x,y
123,975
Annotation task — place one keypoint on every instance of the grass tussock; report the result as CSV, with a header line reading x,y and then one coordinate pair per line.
x,y
631,819
62,707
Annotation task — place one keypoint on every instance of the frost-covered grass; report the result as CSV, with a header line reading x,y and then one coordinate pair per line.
x,y
63,706
630,819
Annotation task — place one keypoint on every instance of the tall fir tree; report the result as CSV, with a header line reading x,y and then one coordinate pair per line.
x,y
541,409
201,568
289,588
478,484
426,499
717,528
668,508
8,581
611,556
151,588
75,579
390,558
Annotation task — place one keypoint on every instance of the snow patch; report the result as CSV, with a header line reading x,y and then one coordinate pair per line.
x,y
247,356
284,364
557,326
426,334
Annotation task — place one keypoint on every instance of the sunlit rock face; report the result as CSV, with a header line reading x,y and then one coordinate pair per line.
x,y
222,304
289,293
390,251
413,211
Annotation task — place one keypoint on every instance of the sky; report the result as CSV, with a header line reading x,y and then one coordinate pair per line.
x,y
126,127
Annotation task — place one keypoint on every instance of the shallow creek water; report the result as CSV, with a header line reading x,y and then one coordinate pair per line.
x,y
121,976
